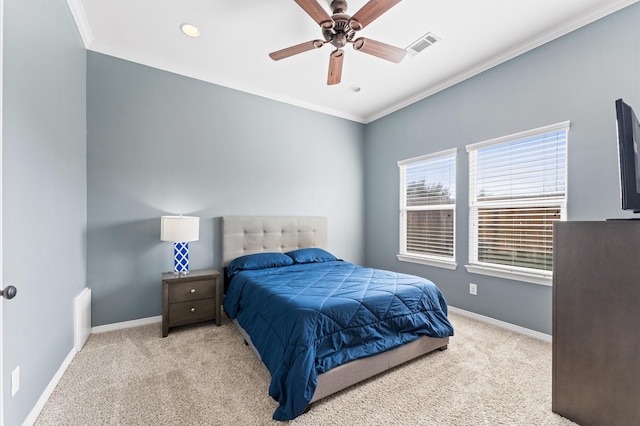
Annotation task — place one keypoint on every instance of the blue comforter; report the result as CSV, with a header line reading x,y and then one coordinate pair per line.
x,y
305,319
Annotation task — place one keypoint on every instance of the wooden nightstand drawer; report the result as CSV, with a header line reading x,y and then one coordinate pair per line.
x,y
192,311
191,290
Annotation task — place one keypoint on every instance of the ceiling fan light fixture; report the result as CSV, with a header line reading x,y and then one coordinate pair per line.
x,y
190,30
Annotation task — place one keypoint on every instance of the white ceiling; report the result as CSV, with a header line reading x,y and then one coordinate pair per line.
x,y
237,36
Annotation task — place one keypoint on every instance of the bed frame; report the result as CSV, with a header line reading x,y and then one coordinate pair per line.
x,y
243,235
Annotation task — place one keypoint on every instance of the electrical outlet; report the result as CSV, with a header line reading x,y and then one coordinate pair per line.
x,y
15,381
473,289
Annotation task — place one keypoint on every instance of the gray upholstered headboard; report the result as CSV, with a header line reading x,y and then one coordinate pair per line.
x,y
243,235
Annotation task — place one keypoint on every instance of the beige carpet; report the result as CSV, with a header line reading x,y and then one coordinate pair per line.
x,y
205,375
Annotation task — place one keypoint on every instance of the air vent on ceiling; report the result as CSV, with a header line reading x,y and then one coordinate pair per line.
x,y
429,39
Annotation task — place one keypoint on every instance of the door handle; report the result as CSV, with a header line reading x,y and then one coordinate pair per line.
x,y
9,292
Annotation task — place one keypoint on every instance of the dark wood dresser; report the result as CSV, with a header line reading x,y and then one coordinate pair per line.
x,y
596,322
192,298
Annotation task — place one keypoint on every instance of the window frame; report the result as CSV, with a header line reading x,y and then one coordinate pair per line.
x,y
425,259
531,275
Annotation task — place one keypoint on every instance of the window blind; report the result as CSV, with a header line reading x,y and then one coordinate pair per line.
x,y
517,189
427,205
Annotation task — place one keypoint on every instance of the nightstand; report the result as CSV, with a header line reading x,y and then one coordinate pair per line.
x,y
192,298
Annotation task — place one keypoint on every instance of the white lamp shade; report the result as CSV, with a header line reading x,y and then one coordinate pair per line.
x,y
179,229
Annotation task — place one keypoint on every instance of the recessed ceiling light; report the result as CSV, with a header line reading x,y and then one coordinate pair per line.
x,y
190,30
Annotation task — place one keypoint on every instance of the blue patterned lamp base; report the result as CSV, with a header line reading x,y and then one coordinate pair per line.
x,y
181,258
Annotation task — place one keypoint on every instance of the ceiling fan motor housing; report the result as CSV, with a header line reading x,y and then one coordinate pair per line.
x,y
341,32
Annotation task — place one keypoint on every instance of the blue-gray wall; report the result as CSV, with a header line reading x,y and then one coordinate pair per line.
x,y
44,193
576,77
164,144
159,143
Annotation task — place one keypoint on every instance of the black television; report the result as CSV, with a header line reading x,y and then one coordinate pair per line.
x,y
629,160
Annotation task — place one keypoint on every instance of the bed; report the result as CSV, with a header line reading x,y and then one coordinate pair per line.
x,y
320,324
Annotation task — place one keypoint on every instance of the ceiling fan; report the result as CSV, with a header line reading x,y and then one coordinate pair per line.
x,y
339,29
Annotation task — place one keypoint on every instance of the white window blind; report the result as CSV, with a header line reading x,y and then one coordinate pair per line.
x,y
427,208
517,189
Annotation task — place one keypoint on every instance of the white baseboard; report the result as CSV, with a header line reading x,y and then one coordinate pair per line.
x,y
81,332
511,327
80,318
35,411
126,324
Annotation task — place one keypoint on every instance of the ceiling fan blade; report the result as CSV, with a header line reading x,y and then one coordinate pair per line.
x,y
379,49
335,67
371,11
316,12
294,50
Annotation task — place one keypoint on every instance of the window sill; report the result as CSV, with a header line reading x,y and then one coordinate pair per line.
x,y
447,264
540,279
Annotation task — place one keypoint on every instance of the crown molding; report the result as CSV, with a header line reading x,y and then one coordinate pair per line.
x,y
578,22
80,17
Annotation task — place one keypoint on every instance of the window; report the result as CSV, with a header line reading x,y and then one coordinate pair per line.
x,y
517,189
427,209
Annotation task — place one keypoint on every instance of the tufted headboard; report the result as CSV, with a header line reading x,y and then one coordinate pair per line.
x,y
256,234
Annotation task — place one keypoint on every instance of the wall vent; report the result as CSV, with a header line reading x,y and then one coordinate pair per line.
x,y
429,39
82,318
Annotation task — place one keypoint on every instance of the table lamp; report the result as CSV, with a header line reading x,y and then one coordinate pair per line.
x,y
180,230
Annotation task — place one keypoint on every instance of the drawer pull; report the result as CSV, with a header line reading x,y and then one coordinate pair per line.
x,y
193,290
193,309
